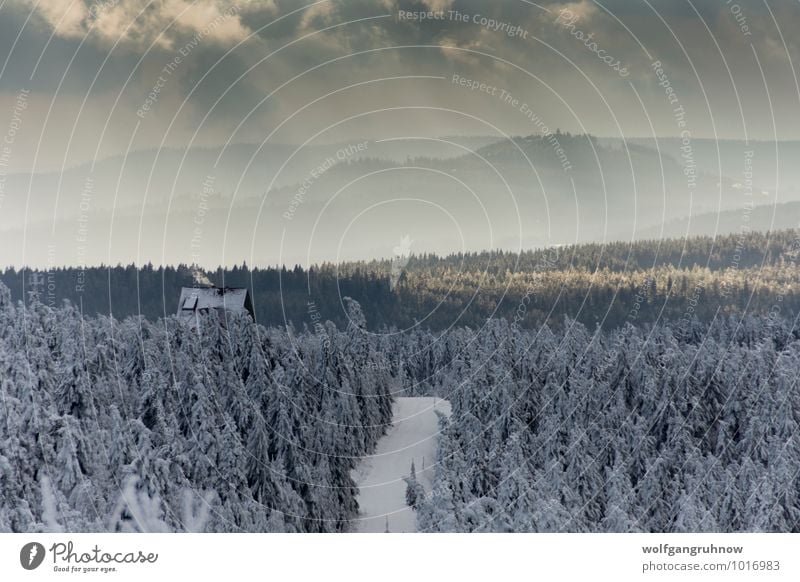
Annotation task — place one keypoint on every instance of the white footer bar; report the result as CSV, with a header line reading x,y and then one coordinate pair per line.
x,y
377,557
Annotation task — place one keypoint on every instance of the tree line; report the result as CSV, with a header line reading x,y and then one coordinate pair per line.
x,y
607,285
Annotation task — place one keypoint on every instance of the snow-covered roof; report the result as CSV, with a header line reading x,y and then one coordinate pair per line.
x,y
195,300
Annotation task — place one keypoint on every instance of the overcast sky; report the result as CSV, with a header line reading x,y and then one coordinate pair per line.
x,y
99,78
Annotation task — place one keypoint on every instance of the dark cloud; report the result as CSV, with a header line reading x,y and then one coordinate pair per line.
x,y
694,40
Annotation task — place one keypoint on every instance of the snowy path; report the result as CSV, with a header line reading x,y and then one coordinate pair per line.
x,y
380,476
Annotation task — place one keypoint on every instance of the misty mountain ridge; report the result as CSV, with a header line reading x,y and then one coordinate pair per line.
x,y
337,202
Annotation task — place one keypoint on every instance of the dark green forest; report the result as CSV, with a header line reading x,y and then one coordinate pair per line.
x,y
596,284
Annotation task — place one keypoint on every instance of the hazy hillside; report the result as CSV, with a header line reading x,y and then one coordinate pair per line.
x,y
339,202
758,218
154,178
774,163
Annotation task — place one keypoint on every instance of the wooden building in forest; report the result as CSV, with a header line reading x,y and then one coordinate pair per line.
x,y
195,301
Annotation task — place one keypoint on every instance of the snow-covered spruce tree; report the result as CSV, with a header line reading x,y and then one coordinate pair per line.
x,y
415,492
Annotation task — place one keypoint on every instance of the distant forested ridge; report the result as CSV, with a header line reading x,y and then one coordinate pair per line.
x,y
596,284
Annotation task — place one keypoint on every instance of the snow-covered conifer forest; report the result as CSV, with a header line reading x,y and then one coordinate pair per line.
x,y
136,425
139,425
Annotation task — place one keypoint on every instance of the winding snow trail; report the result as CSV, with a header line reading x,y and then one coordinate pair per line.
x,y
382,491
